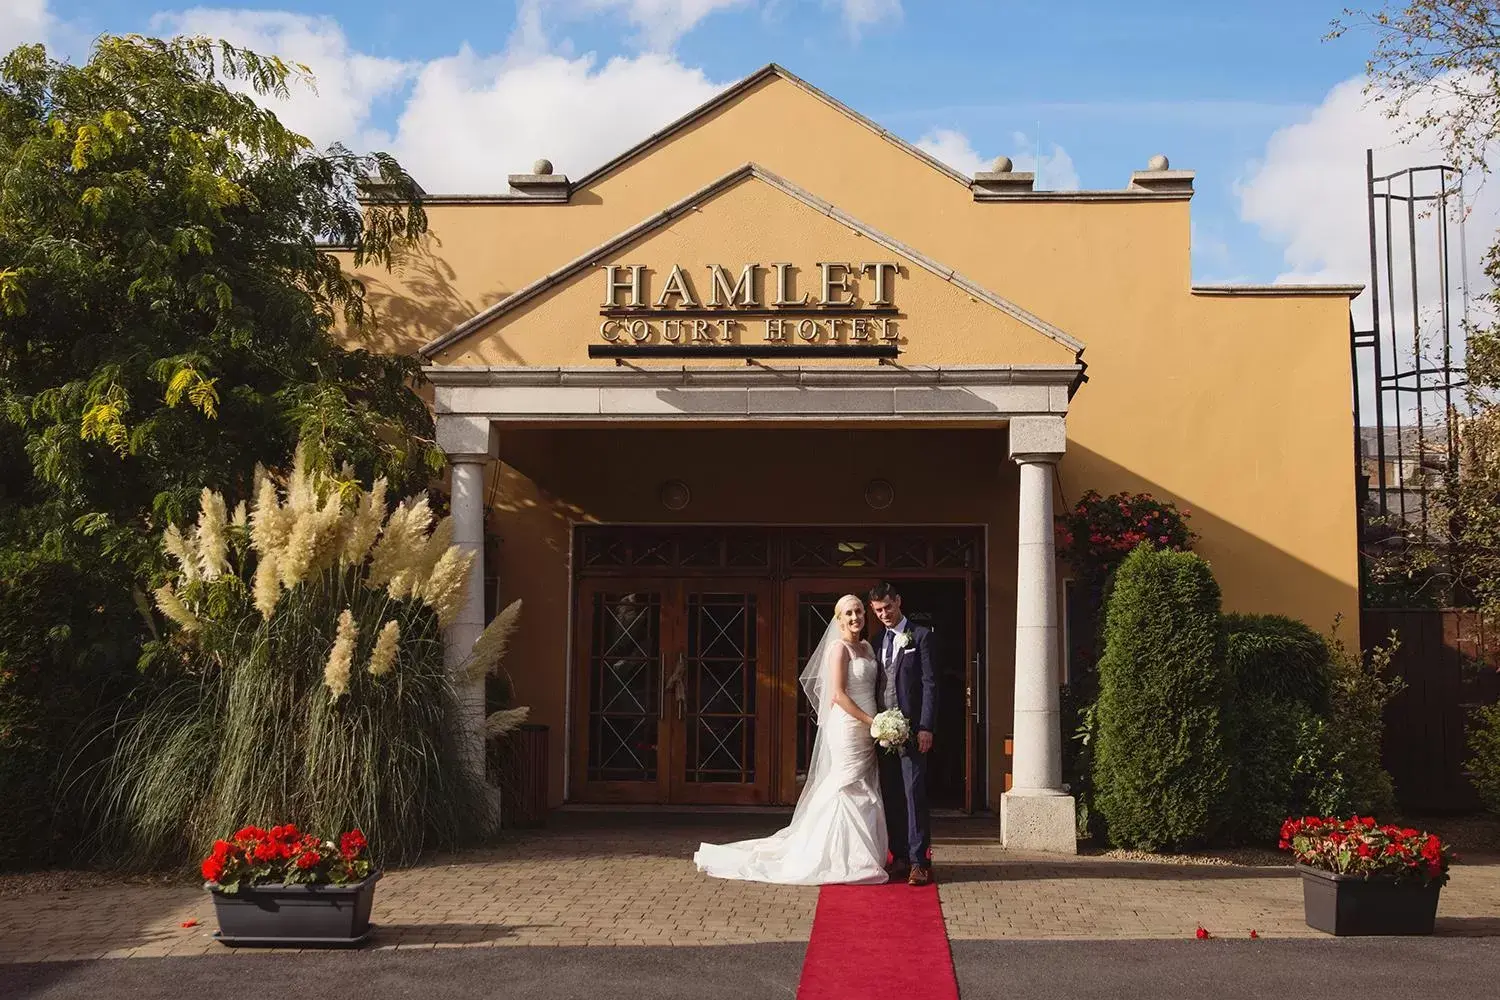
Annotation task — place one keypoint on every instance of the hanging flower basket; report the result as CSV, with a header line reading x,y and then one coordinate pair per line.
x,y
282,888
1359,878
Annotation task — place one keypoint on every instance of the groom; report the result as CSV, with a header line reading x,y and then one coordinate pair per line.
x,y
908,681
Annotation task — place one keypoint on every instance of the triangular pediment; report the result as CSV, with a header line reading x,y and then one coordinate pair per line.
x,y
726,99
752,216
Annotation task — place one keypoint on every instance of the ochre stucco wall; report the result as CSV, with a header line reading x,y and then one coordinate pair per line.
x,y
1237,408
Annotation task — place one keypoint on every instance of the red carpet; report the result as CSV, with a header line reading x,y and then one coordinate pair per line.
x,y
878,942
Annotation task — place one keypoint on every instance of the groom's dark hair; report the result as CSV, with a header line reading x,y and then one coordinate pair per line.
x,y
884,591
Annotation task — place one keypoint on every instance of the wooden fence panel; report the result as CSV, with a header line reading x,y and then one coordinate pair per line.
x,y
1450,665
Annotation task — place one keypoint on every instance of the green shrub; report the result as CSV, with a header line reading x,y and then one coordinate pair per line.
x,y
1280,658
1161,765
66,651
1339,765
1484,765
1279,679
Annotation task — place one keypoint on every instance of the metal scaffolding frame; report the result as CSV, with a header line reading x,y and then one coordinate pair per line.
x,y
1432,372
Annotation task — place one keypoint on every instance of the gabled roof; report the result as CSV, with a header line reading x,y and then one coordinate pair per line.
x,y
747,172
732,93
705,110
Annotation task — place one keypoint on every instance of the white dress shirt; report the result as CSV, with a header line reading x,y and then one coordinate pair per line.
x,y
888,654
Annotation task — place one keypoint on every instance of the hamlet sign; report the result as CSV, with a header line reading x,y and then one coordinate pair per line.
x,y
854,306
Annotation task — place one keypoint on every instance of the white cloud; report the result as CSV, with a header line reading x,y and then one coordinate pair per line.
x,y
348,83
472,120
1307,192
660,22
24,22
859,14
1055,172
1307,195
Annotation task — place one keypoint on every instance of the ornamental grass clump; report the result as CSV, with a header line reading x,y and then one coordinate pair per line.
x,y
305,678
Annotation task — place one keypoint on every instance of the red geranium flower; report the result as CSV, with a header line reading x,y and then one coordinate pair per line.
x,y
351,845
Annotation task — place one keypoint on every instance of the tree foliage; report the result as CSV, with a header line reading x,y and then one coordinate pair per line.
x,y
167,294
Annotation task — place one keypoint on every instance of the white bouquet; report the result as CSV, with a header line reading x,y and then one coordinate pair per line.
x,y
890,729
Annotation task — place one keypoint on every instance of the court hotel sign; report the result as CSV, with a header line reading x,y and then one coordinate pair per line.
x,y
735,310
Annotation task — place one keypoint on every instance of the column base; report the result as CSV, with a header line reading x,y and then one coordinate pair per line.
x,y
1045,823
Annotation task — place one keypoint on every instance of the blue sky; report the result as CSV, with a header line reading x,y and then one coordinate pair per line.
x,y
1250,95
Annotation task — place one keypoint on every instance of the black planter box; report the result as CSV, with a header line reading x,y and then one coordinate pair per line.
x,y
1347,905
296,916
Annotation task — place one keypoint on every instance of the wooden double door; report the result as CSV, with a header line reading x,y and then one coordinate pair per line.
x,y
686,690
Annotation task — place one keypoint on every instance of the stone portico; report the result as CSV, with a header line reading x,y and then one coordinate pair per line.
x,y
475,405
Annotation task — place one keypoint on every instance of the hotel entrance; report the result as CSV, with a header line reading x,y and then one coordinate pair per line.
x,y
689,643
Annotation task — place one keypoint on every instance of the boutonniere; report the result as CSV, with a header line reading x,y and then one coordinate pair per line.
x,y
903,639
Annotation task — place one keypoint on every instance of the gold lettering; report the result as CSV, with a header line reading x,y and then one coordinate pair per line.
x,y
833,327
671,330
879,270
784,287
835,282
610,330
678,285
808,330
887,329
861,329
613,284
640,330
741,293
728,325
775,331
700,332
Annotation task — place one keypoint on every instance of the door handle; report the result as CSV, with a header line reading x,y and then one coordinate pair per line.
x,y
679,689
973,701
661,688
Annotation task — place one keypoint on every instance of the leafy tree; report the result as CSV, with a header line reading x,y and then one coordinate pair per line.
x,y
171,314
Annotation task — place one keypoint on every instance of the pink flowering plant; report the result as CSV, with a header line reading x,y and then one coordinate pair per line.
x,y
1359,846
1098,532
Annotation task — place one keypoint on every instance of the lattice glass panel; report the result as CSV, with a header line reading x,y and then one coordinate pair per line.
x,y
601,550
834,552
625,686
904,552
955,552
721,688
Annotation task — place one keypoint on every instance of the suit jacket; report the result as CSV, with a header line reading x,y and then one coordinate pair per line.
x,y
916,676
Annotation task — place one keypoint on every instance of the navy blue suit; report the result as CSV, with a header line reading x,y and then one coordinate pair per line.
x,y
903,777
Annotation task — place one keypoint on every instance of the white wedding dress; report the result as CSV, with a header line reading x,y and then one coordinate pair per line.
x,y
837,833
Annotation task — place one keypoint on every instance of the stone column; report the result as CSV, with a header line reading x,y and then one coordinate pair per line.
x,y
466,442
1037,814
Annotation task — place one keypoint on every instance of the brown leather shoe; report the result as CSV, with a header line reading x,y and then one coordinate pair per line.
x,y
920,875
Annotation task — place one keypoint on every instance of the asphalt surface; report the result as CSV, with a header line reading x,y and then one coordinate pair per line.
x,y
1014,970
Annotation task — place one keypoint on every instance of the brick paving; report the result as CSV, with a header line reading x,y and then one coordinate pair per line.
x,y
626,880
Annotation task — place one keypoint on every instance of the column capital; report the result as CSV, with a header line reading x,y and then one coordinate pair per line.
x,y
1038,439
464,438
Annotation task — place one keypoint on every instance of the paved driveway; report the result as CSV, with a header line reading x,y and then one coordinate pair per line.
x,y
613,898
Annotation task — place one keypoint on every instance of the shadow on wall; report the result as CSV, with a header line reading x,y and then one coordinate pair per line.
x,y
1256,576
419,302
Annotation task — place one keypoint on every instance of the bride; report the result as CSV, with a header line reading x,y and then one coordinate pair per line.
x,y
837,833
